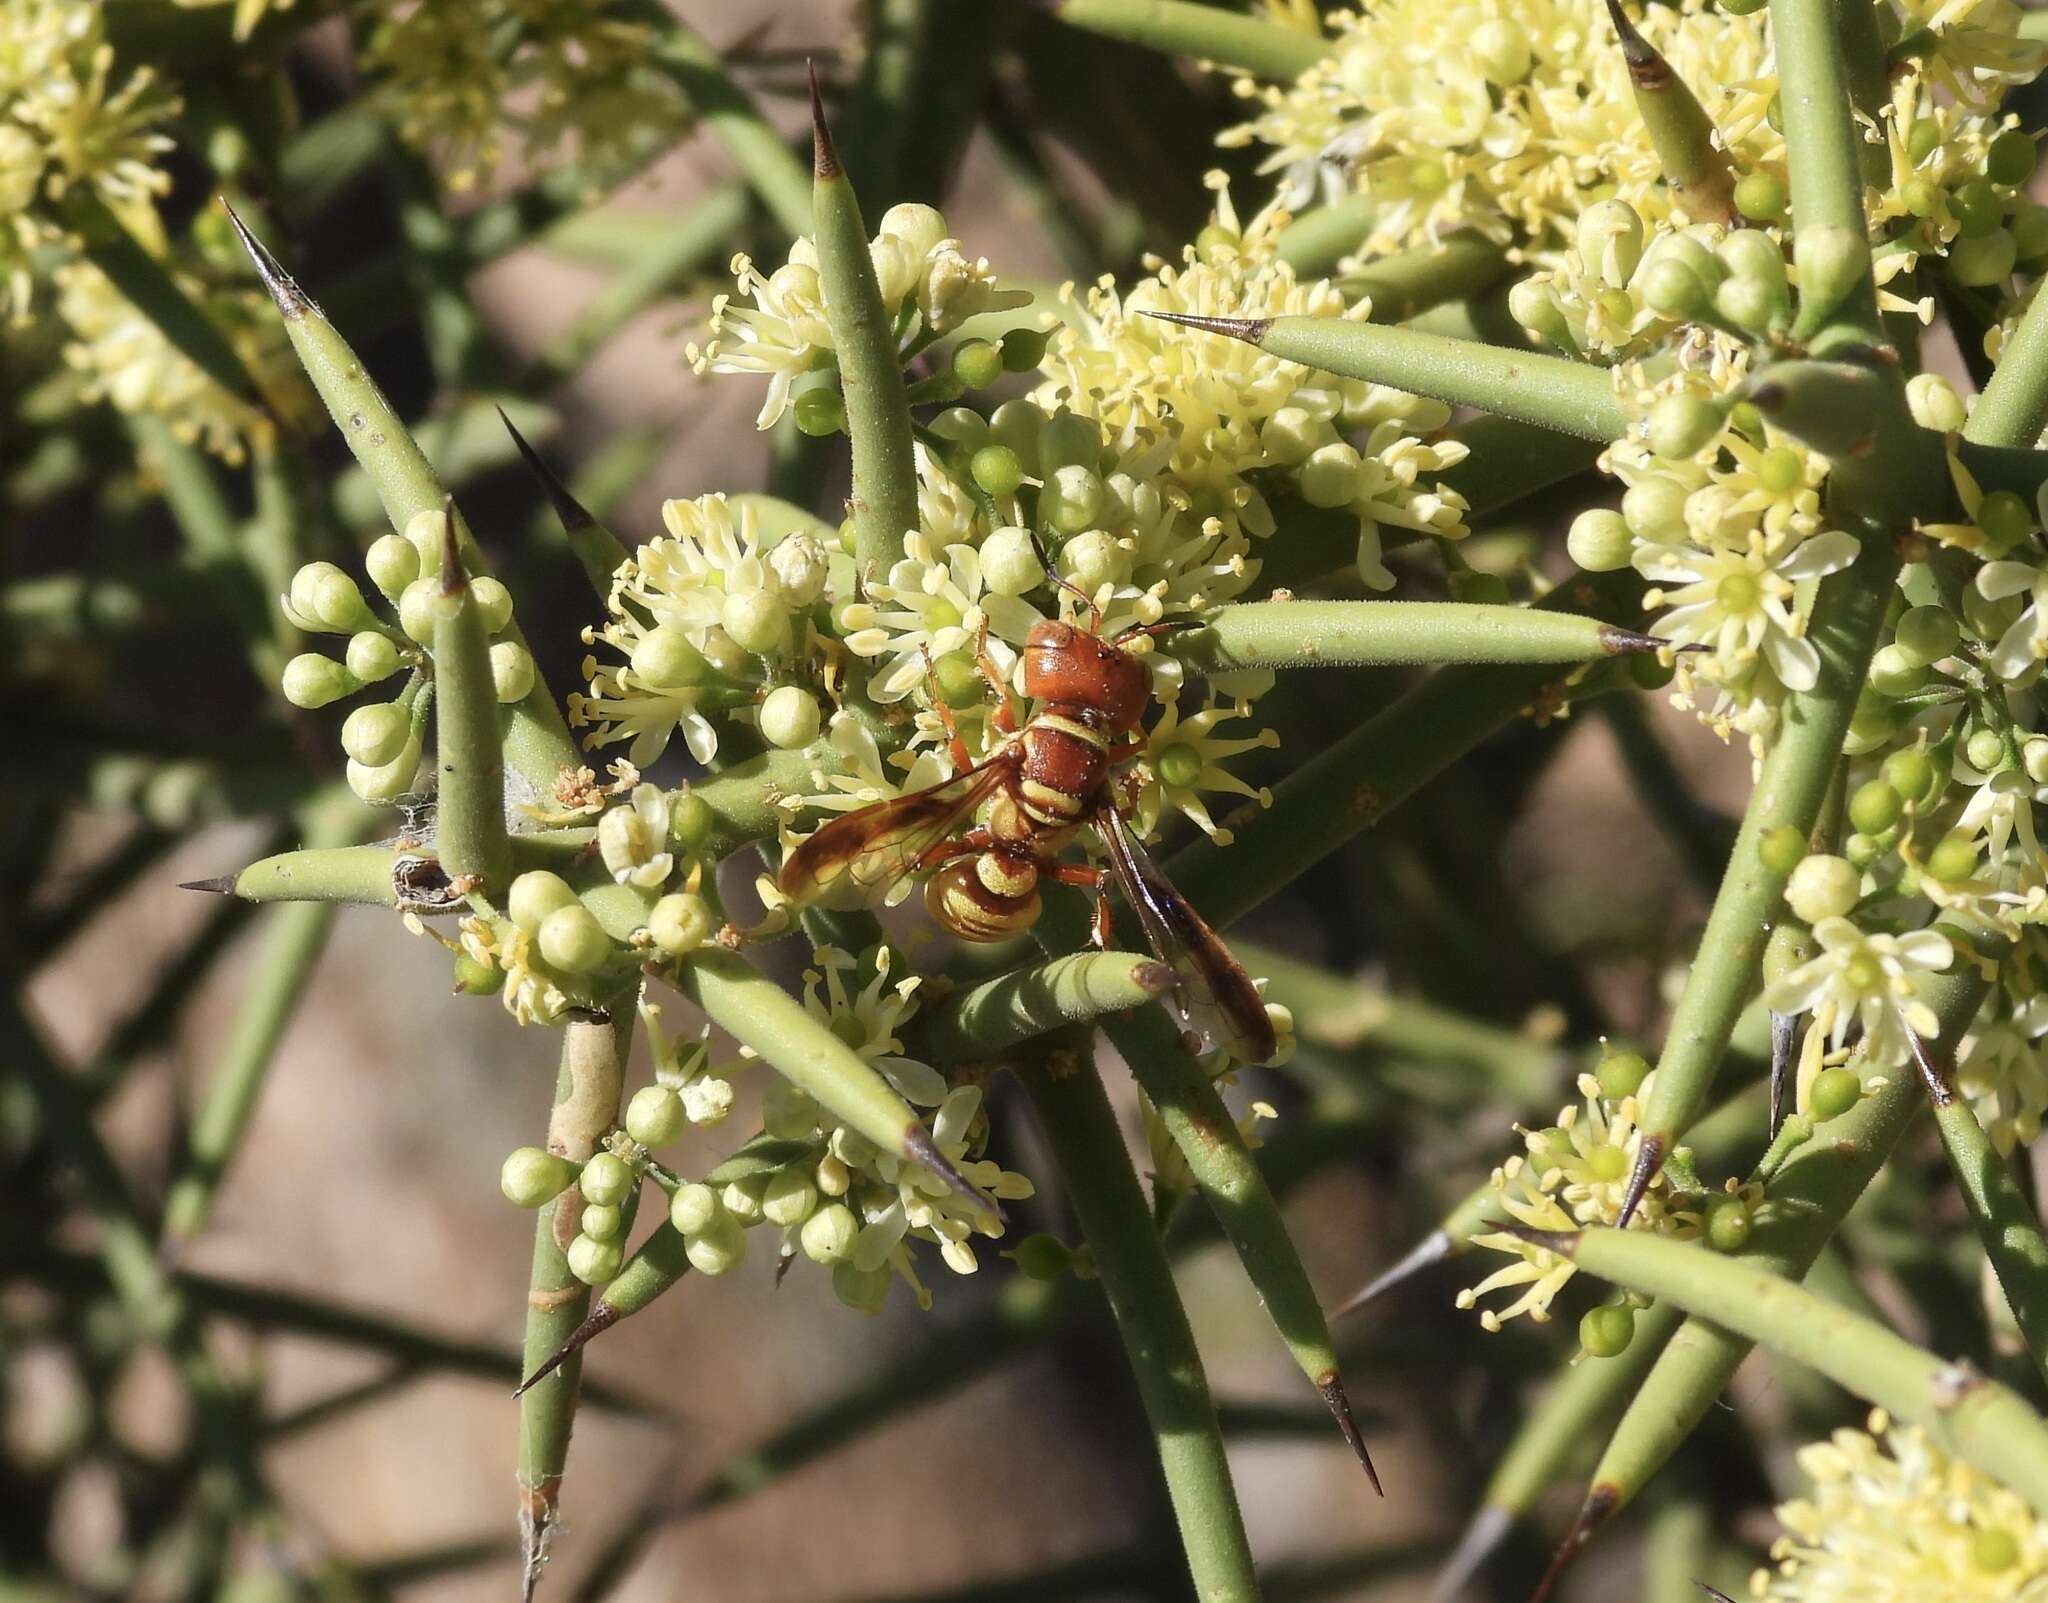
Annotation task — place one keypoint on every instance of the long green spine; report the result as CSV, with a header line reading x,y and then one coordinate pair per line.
x,y
470,821
1346,634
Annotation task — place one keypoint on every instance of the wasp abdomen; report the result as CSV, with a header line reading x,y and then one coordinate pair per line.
x,y
988,897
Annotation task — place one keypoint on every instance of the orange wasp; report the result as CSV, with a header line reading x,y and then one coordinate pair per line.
x,y
1049,778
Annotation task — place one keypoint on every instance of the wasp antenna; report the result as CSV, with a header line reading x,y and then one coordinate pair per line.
x,y
919,1148
1649,1159
601,1319
1432,1248
1339,1405
1060,582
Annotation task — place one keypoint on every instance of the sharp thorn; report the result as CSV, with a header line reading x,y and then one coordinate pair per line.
x,y
571,512
1940,1091
1432,1248
222,885
1562,1242
1593,1513
1155,979
453,580
1649,1159
291,301
1784,1047
1334,1398
1252,330
1488,1528
1646,69
601,1319
1617,642
824,159
1713,1591
919,1149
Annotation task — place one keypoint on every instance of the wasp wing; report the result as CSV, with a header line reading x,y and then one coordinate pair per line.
x,y
854,859
1212,996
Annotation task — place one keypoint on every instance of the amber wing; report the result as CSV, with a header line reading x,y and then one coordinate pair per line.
x,y
1213,997
852,861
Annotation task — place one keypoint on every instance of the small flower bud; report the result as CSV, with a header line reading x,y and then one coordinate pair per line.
x,y
800,564
1822,887
1760,196
1988,259
572,940
1985,750
1832,261
1332,476
1729,1224
1599,540
1606,1331
392,563
416,610
1781,849
664,659
371,657
1894,673
1874,807
863,1290
820,412
511,671
681,923
1067,440
742,1198
1292,434
1500,49
831,1177
594,1262
1532,304
493,603
1835,1091
1016,425
790,717
827,1236
1073,499
690,821
1654,508
336,602
655,1116
311,680
1672,289
601,1221
1009,562
961,425
694,1209
1093,559
1790,947
1754,305
1862,851
532,1177
1681,425
718,1249
997,469
1934,403
375,735
977,364
789,1114
790,1197
534,895
426,532
606,1178
1621,1074
757,621
1610,241
918,226
2034,758
379,786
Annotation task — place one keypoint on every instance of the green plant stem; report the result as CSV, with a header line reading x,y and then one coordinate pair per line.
x,y
1351,634
293,941
469,834
982,1020
1230,39
1323,236
1088,1149
764,160
2013,409
1822,142
884,500
1966,1415
1410,282
1695,163
586,1108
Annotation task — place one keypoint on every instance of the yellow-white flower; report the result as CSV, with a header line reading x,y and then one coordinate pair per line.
x,y
932,605
1184,757
2004,1073
1740,603
1872,980
632,839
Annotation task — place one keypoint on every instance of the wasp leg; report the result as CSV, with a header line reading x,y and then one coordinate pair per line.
x,y
962,758
1004,718
1088,878
975,840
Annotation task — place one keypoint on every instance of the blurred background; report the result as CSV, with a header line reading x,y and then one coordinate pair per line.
x,y
361,1283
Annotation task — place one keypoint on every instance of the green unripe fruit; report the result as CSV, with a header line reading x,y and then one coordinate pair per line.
x,y
475,979
371,657
1978,208
1016,426
1985,751
1068,440
1922,139
1781,848
2030,234
1760,196
1023,349
1672,289
1954,858
1647,671
1910,773
1599,541
1927,634
1894,673
1621,1074
1833,261
392,563
601,1221
819,412
1607,1331
827,1236
1680,426
311,680
790,1197
381,786
1988,619
2005,518
719,1249
1862,851
1823,887
571,939
690,821
681,923
594,1262
790,717
2010,160
533,1177
1780,469
1332,476
534,895
1040,1257
863,1290
1729,1224
655,1116
1835,1092
1875,807
694,1209
997,469
493,603
376,735
757,621
664,659
961,425
1654,508
977,364
607,1179
511,672
1920,196
1743,8
1992,1549
1607,1164
1790,947
959,682
1984,260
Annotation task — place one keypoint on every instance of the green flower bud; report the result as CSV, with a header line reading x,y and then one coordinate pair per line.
x,y
681,923
1934,403
534,895
1835,1092
1751,304
690,821
1779,469
1023,349
1672,289
1986,259
1993,1548
694,1209
392,563
742,1198
371,657
1752,253
475,979
1781,848
977,364
1832,261
1332,476
571,939
1621,1074
863,1290
1599,540
1822,887
1921,196
2034,758
1874,719
1606,1332
1985,750
1610,241
1068,440
819,412
377,734
532,1177
426,532
1009,562
1789,947
1760,196
1293,434
1073,499
1862,851
1953,859
2030,234
1040,1257
1016,425
790,1196
1682,425
961,425
790,717
337,604
1500,48
757,621
719,1249
1531,304
1875,807
311,680
416,610
607,1178
1910,773
594,1262
2005,519
1978,208
511,671
664,659
1729,1224
827,1236
832,1178
380,786
1988,619
997,469
1893,672
1093,559
493,603
602,1221
1654,508
655,1116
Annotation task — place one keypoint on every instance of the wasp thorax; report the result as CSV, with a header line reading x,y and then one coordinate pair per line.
x,y
1071,667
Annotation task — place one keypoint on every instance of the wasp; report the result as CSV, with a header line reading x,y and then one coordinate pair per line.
x,y
1053,775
